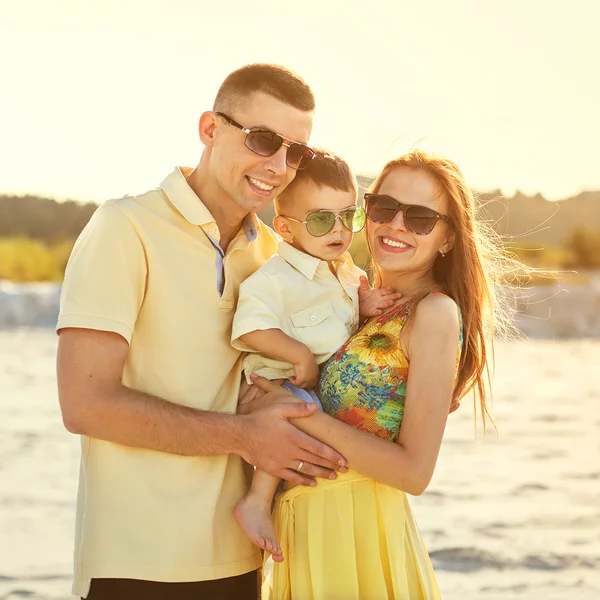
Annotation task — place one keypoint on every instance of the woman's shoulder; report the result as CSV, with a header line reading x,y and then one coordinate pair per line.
x,y
437,310
439,299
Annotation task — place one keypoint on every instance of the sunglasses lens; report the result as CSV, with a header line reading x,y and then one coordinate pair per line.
x,y
265,143
298,156
319,223
353,219
419,219
381,209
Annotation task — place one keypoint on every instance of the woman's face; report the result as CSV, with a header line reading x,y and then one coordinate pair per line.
x,y
396,249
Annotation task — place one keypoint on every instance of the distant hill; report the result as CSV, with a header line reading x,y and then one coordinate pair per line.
x,y
528,219
42,218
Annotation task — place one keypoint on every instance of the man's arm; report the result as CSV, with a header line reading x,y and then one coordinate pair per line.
x,y
94,402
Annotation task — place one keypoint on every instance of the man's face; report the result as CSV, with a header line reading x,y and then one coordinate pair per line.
x,y
249,179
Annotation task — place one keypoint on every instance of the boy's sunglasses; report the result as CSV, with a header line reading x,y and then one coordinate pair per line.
x,y
321,222
418,219
266,143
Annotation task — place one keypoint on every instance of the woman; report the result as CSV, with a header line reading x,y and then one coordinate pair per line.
x,y
390,389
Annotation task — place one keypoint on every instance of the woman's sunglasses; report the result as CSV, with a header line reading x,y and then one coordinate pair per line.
x,y
418,219
266,143
321,222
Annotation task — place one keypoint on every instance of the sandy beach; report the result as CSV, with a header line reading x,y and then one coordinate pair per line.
x,y
513,517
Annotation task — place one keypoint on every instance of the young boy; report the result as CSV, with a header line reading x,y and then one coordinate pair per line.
x,y
302,304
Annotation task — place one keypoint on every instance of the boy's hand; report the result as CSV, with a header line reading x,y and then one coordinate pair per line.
x,y
373,301
306,371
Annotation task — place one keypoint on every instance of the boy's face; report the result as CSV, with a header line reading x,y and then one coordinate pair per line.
x,y
307,197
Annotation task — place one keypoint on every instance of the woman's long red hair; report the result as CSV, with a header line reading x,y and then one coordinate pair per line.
x,y
470,273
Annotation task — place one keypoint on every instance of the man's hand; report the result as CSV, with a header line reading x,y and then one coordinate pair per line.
x,y
276,446
373,301
306,371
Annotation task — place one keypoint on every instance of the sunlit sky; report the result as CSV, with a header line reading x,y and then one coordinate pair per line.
x,y
102,98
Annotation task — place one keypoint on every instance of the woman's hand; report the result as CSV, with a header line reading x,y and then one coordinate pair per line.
x,y
248,393
253,397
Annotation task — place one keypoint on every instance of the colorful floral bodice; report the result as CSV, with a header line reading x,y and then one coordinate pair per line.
x,y
364,383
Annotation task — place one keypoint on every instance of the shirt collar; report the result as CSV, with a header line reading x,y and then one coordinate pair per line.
x,y
250,226
185,200
305,263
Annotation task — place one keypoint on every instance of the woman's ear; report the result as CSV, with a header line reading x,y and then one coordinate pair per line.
x,y
281,226
448,244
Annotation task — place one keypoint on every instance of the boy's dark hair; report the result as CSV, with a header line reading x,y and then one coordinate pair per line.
x,y
326,169
277,81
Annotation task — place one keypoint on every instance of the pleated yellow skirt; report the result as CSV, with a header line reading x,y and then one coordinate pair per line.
x,y
348,539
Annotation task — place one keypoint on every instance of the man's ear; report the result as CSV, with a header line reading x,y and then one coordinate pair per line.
x,y
281,226
207,128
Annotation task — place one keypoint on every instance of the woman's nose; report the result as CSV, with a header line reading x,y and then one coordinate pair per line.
x,y
398,221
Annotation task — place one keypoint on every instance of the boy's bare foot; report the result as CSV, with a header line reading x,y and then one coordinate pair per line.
x,y
254,516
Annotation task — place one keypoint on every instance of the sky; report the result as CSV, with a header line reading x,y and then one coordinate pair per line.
x,y
102,98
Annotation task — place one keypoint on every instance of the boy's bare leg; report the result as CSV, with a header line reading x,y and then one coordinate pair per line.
x,y
253,513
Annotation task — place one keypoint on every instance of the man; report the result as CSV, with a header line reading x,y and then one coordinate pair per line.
x,y
146,373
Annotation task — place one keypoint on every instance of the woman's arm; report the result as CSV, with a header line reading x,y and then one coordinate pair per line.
x,y
408,464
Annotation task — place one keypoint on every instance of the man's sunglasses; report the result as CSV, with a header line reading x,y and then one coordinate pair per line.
x,y
266,143
418,219
321,222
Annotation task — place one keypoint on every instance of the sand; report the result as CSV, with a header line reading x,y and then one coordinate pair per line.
x,y
517,517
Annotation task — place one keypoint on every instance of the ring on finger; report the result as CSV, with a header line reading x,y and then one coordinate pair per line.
x,y
300,465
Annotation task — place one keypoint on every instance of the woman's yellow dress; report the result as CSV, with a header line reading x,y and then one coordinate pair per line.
x,y
354,538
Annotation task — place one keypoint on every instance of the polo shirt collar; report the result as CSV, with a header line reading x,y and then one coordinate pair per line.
x,y
185,200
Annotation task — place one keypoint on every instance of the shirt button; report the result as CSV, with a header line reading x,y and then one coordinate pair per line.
x,y
312,317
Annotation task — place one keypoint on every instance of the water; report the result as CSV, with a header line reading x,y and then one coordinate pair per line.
x,y
513,517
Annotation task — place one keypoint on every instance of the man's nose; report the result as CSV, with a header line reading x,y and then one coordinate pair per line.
x,y
276,162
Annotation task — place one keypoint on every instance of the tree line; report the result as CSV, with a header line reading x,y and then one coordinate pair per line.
x,y
37,234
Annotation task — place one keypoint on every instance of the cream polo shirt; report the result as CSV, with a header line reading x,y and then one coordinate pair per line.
x,y
144,268
298,294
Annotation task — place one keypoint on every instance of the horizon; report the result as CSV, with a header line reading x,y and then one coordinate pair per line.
x,y
496,193
104,100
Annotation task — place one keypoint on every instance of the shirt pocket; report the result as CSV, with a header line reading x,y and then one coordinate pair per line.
x,y
321,329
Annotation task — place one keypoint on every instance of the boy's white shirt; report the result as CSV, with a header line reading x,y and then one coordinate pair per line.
x,y
298,294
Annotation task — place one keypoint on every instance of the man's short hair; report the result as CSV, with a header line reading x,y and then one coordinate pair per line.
x,y
326,169
277,81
